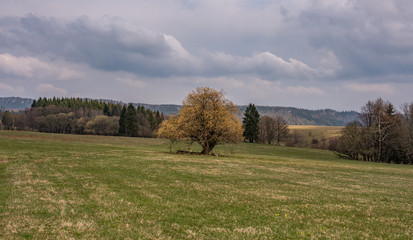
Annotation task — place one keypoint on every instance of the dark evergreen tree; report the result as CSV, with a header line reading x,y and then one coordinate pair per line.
x,y
250,123
151,119
158,118
131,123
122,121
106,109
117,108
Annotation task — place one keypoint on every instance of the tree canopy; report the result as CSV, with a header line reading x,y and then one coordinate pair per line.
x,y
207,118
381,135
250,123
84,116
271,129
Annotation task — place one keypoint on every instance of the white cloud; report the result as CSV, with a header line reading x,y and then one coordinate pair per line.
x,y
177,49
50,90
267,50
22,66
113,44
300,90
132,82
329,62
33,68
10,90
261,63
377,88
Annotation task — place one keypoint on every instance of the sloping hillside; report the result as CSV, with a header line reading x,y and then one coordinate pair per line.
x,y
294,116
15,103
297,116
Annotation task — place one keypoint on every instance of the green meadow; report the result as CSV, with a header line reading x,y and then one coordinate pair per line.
x,y
307,133
94,187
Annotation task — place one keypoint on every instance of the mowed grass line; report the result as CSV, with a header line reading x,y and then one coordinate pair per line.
x,y
91,187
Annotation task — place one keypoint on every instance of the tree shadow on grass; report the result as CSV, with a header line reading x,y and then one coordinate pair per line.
x,y
184,152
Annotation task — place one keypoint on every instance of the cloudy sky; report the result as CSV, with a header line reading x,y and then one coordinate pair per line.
x,y
303,53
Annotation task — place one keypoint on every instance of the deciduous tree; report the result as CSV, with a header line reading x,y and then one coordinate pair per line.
x,y
281,129
273,129
171,130
267,129
8,120
381,136
207,118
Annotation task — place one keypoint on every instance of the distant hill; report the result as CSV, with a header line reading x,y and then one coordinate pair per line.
x,y
168,109
294,116
15,103
298,116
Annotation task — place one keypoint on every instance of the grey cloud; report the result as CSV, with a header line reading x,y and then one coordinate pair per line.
x,y
369,38
340,48
263,64
112,44
107,44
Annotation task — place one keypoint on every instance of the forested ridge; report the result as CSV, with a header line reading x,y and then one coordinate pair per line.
x,y
293,116
84,116
14,103
298,116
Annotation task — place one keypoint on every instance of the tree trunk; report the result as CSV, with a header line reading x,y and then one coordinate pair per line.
x,y
207,148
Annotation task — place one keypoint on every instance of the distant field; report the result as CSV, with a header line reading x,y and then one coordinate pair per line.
x,y
309,132
94,187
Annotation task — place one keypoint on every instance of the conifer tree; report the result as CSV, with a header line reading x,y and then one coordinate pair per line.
x,y
131,121
106,109
122,121
250,122
158,118
34,104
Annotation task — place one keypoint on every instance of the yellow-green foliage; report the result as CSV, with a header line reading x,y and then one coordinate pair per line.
x,y
207,118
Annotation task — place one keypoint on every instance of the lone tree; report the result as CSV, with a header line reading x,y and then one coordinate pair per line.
x,y
250,123
207,118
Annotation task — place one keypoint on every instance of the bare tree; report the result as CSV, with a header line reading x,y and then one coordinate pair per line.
x,y
273,129
281,129
383,135
407,140
267,129
380,117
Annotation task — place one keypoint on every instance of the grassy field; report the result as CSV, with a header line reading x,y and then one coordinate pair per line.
x,y
308,133
94,187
